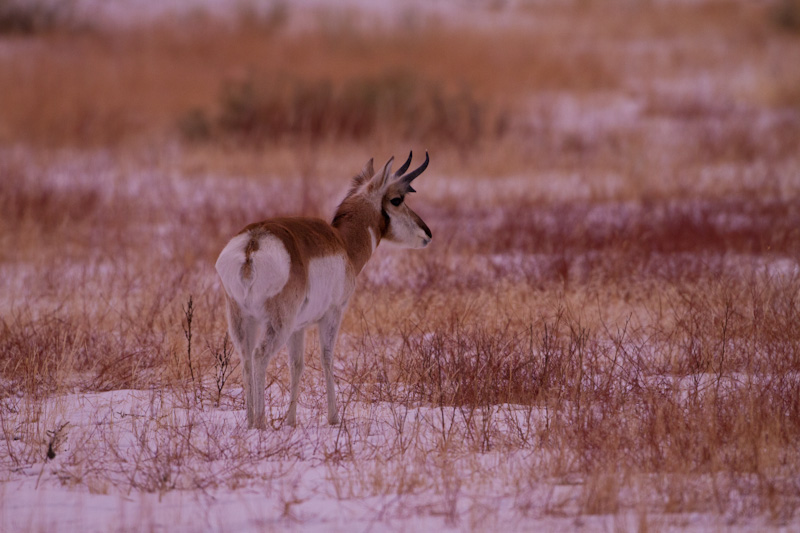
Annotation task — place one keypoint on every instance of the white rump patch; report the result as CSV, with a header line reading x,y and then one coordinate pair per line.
x,y
326,288
269,270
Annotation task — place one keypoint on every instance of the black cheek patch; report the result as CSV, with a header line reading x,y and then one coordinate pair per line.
x,y
385,222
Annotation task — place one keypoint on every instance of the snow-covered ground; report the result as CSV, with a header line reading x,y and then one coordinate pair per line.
x,y
301,13
138,461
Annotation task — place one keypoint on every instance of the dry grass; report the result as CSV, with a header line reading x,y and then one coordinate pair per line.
x,y
121,84
607,323
18,17
666,368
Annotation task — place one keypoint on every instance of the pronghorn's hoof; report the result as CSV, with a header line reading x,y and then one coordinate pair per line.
x,y
333,420
260,425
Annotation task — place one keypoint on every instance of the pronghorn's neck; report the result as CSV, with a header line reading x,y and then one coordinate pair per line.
x,y
359,225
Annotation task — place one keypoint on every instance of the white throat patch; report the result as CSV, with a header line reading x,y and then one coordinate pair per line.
x,y
373,239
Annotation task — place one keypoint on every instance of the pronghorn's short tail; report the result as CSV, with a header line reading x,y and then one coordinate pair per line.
x,y
253,269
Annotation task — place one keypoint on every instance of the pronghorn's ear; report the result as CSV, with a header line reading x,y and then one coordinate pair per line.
x,y
369,170
364,176
383,174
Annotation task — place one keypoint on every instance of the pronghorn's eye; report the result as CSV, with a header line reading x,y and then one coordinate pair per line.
x,y
397,201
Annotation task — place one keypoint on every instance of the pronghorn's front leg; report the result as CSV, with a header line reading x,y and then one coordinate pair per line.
x,y
296,363
328,331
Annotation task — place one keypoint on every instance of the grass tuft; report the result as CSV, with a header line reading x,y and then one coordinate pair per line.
x,y
30,17
786,15
392,104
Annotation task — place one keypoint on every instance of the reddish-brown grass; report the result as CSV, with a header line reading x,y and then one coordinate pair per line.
x,y
607,300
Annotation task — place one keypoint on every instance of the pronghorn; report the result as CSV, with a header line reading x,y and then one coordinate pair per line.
x,y
285,274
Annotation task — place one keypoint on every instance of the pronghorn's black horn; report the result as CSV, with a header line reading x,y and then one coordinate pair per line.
x,y
408,178
404,167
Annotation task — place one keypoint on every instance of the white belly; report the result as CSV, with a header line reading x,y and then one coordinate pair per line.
x,y
327,288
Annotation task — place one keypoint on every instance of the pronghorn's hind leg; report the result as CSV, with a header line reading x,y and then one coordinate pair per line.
x,y
328,330
274,336
296,363
243,330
